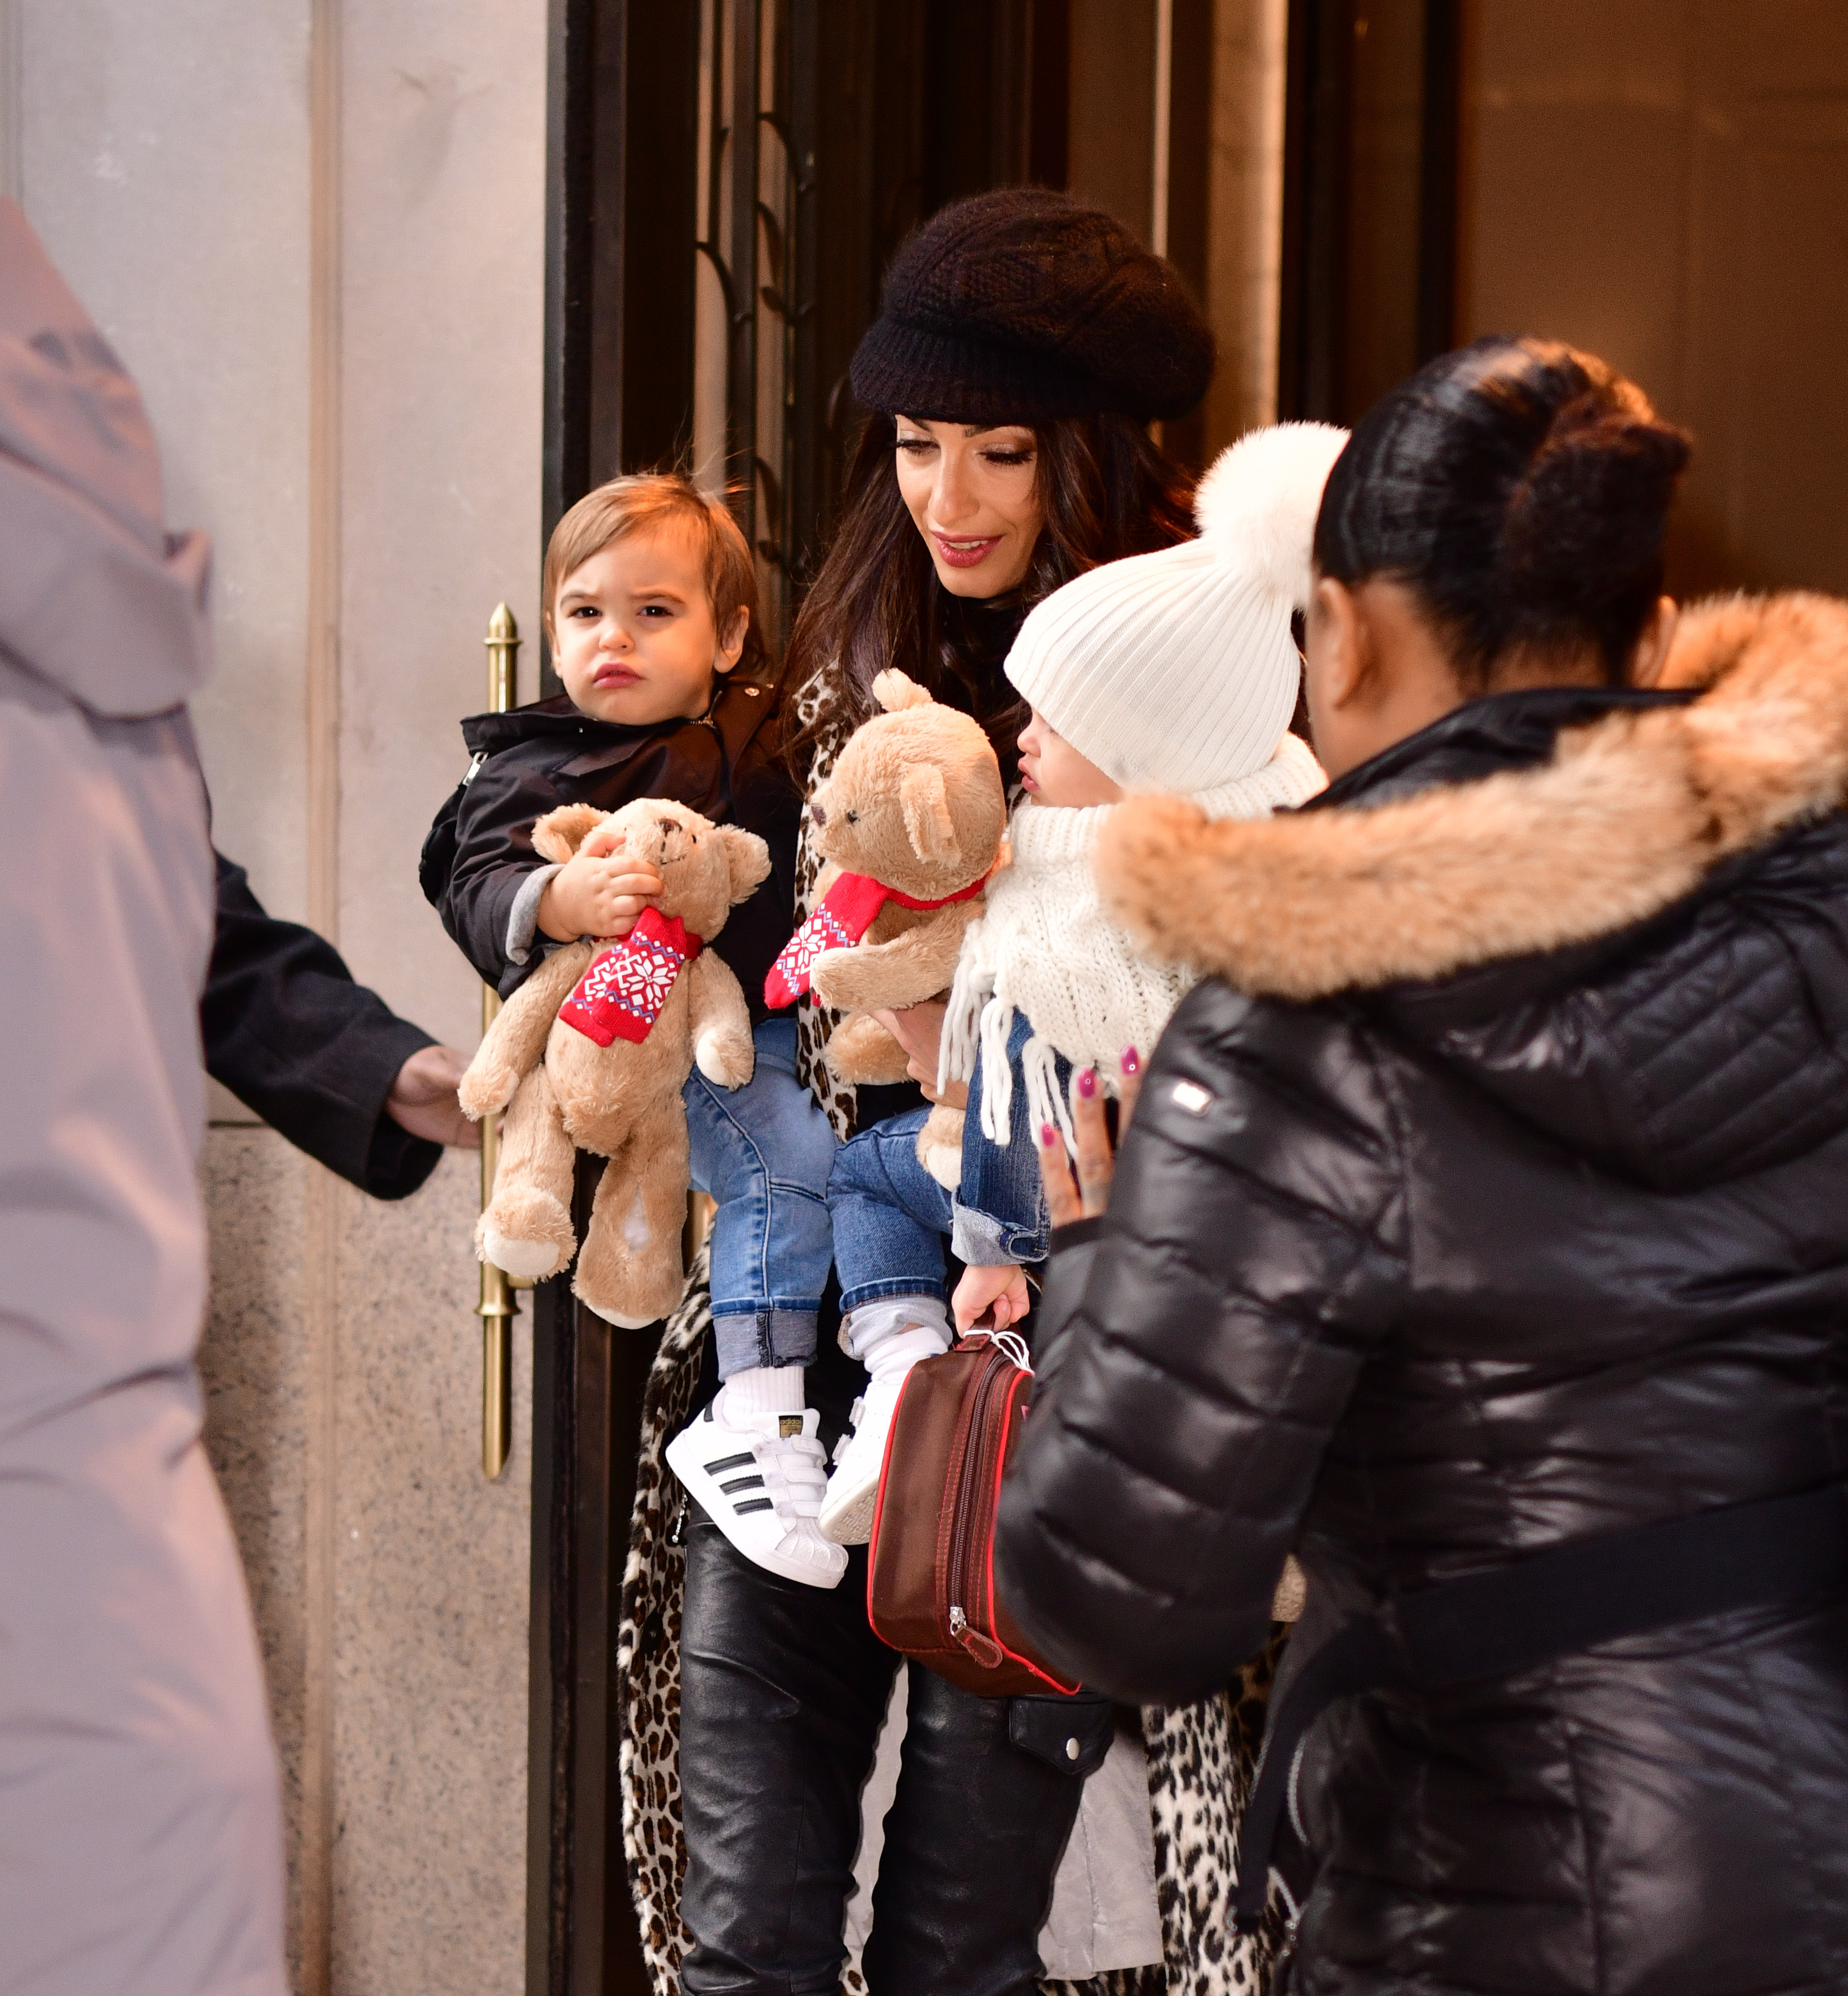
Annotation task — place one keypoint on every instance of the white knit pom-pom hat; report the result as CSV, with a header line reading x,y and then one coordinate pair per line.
x,y
1177,671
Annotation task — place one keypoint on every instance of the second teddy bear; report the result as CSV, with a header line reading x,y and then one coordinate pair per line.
x,y
910,822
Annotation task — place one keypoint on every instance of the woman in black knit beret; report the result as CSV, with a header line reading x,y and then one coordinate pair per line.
x,y
1024,344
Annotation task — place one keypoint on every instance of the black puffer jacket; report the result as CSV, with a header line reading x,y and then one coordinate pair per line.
x,y
1510,1210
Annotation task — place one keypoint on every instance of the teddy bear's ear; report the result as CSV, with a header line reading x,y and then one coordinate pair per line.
x,y
928,824
749,859
558,835
895,692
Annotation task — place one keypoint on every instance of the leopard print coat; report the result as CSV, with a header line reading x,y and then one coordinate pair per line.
x,y
1200,1756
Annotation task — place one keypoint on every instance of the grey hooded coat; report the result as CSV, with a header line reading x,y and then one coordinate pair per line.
x,y
140,1834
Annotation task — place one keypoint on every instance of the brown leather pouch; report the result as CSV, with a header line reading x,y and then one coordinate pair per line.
x,y
930,1579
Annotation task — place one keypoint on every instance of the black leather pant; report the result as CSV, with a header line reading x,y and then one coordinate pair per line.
x,y
782,1690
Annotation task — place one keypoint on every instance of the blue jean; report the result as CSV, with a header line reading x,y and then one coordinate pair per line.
x,y
763,1152
890,1215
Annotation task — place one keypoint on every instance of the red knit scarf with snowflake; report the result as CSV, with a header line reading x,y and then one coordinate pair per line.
x,y
845,915
621,994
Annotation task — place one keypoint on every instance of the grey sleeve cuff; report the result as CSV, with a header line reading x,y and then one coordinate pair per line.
x,y
523,923
978,1239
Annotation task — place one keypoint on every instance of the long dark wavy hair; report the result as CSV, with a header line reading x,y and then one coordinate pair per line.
x,y
1107,492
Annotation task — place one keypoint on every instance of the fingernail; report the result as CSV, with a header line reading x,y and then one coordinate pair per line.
x,y
1048,1136
1087,1083
1133,1060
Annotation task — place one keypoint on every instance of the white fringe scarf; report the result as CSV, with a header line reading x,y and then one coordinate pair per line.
x,y
1043,948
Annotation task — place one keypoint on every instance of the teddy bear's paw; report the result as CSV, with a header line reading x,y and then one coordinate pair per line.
x,y
940,1146
629,1304
725,1056
831,977
526,1233
525,1261
487,1089
861,1053
616,1316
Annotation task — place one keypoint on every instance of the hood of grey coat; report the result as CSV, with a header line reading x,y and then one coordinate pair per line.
x,y
96,596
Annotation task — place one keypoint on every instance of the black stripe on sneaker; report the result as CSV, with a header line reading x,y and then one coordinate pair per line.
x,y
747,1461
742,1483
754,1504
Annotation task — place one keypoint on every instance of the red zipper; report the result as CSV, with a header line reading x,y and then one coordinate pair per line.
x,y
967,1568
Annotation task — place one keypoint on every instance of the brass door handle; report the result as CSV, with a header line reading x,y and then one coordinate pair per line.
x,y
497,1308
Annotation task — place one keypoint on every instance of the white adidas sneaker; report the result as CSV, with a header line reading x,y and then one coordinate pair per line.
x,y
760,1479
847,1510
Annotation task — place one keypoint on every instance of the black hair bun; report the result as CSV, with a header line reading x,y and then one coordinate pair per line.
x,y
1586,521
1522,489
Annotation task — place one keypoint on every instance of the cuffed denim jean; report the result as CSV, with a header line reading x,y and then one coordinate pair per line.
x,y
764,1153
890,1215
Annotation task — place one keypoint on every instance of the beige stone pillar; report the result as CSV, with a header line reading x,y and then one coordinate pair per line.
x,y
1246,213
315,231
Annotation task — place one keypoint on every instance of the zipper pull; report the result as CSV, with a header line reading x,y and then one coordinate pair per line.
x,y
677,1531
986,1651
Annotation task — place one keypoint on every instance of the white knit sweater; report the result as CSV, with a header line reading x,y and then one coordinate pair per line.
x,y
1044,949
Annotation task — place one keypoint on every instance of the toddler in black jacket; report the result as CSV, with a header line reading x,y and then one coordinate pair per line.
x,y
650,598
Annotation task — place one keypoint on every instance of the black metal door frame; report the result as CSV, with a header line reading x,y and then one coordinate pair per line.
x,y
622,121
1319,111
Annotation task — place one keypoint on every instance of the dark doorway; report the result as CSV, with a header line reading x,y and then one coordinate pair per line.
x,y
1659,185
1369,200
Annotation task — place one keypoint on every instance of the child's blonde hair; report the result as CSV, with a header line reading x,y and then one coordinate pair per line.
x,y
645,500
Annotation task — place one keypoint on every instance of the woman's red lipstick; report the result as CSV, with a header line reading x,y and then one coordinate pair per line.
x,y
965,551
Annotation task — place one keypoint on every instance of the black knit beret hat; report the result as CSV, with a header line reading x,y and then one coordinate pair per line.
x,y
1020,305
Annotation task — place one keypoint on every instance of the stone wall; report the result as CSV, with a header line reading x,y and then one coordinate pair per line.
x,y
315,231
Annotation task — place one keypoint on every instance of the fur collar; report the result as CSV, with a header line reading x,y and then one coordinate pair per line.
x,y
1628,817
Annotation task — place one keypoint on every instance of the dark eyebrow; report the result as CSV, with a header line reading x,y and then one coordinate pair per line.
x,y
988,429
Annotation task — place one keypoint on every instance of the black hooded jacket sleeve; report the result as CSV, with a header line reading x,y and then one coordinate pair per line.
x,y
292,1037
1252,1254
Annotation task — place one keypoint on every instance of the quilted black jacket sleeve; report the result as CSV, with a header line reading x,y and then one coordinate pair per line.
x,y
292,1036
1252,1255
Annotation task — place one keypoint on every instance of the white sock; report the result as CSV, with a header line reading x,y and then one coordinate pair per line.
x,y
766,1389
896,1330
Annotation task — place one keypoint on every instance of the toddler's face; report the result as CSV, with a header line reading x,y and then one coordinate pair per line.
x,y
634,640
1051,771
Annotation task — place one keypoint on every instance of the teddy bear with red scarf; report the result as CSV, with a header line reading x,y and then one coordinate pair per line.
x,y
910,822
593,1052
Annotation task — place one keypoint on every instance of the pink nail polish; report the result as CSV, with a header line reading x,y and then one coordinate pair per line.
x,y
1048,1136
1133,1060
1087,1083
